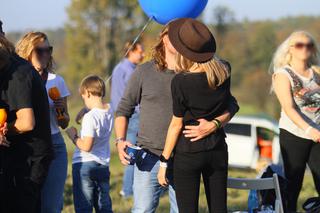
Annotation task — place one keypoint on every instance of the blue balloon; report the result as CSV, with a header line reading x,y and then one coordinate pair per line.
x,y
163,11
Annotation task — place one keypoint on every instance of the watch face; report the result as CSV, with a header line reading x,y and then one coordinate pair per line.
x,y
163,159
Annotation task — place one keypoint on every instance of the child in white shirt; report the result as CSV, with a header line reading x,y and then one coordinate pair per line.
x,y
90,164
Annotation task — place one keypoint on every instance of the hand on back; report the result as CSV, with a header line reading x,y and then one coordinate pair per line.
x,y
200,131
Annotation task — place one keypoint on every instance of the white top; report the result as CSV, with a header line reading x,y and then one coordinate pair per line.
x,y
306,95
55,80
97,123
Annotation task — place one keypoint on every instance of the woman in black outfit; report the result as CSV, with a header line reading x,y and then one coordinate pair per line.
x,y
201,89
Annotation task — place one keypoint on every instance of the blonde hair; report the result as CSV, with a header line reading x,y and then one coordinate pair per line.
x,y
94,85
158,50
282,56
217,71
28,43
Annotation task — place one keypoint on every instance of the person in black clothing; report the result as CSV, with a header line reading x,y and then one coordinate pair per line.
x,y
24,164
201,89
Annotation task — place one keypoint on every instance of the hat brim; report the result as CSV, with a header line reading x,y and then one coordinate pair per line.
x,y
173,33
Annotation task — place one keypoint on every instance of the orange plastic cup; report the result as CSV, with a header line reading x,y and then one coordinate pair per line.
x,y
54,94
3,117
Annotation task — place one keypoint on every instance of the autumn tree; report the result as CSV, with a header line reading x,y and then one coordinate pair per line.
x,y
222,17
95,34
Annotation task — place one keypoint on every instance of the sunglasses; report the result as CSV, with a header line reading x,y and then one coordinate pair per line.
x,y
300,45
40,51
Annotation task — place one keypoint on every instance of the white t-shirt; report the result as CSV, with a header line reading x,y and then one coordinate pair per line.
x,y
97,123
306,95
55,80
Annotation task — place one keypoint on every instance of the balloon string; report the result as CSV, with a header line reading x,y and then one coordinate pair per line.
x,y
139,35
134,42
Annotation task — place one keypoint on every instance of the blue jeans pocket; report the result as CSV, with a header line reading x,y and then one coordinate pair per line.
x,y
145,161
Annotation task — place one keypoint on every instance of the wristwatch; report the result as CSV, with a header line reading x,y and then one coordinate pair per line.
x,y
163,159
163,162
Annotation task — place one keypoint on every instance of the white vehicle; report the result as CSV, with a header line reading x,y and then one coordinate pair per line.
x,y
250,139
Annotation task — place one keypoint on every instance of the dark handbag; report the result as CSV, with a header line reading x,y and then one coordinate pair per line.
x,y
268,197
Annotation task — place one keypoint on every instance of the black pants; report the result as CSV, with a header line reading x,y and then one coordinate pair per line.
x,y
187,171
24,196
296,153
18,193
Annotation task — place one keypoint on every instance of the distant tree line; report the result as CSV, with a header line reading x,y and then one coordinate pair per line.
x,y
93,37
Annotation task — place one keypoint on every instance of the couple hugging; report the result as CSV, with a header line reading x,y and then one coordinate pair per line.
x,y
184,99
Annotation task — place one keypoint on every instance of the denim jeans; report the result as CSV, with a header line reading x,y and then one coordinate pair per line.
x,y
146,189
91,187
133,128
52,190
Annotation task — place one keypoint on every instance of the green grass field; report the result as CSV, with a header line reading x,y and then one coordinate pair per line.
x,y
237,200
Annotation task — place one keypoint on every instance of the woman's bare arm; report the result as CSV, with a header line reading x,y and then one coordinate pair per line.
x,y
282,88
25,122
171,141
172,136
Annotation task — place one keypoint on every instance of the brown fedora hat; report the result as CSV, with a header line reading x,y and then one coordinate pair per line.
x,y
192,39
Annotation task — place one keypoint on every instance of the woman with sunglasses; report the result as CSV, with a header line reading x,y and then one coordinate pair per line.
x,y
296,82
35,48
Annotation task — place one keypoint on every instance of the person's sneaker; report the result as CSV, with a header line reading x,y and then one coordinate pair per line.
x,y
124,195
312,205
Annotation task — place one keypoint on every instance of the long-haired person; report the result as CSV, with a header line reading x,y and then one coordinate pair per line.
x,y
26,156
296,82
35,48
150,88
201,89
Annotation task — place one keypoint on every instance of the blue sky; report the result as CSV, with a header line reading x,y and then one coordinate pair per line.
x,y
39,14
268,9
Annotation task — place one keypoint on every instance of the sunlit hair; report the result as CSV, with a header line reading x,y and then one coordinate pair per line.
x,y
217,72
6,51
28,43
94,85
158,50
282,56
